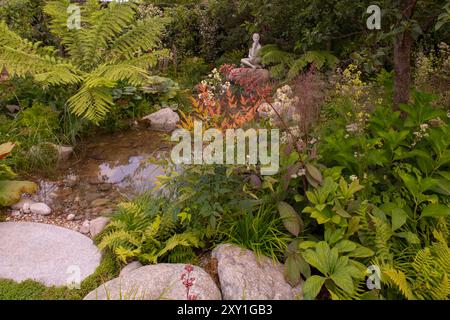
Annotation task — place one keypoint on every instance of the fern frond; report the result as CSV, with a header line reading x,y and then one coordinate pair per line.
x,y
143,36
92,103
186,239
119,238
398,278
124,254
271,54
383,234
149,60
106,25
133,75
441,291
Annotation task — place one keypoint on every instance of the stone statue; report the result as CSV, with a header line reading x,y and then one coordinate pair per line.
x,y
253,60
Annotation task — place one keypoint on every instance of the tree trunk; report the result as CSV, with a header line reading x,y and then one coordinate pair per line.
x,y
402,68
402,57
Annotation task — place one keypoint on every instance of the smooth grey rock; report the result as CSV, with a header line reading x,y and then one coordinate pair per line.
x,y
71,217
12,108
155,282
98,225
19,205
130,267
64,152
85,227
16,213
244,276
45,253
164,120
41,209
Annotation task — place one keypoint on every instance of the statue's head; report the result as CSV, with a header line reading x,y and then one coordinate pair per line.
x,y
256,37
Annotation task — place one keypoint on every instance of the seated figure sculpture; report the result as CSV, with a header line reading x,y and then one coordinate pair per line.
x,y
253,60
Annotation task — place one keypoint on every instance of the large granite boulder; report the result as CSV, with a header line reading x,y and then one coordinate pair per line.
x,y
163,120
244,276
45,253
157,282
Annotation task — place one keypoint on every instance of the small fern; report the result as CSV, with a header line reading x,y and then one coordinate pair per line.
x,y
144,230
426,276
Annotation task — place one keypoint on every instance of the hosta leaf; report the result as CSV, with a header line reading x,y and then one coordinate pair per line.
x,y
10,191
291,220
312,286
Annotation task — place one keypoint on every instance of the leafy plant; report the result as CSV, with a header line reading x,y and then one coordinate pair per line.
x,y
340,274
10,191
285,64
109,47
143,230
261,232
425,275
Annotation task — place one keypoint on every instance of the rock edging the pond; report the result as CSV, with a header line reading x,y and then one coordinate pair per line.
x,y
163,120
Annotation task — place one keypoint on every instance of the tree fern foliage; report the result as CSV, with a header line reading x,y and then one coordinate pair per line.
x,y
110,46
287,64
144,229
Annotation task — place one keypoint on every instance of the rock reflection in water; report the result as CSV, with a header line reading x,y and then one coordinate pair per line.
x,y
135,177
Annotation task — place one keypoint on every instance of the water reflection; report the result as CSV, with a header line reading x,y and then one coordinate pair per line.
x,y
137,176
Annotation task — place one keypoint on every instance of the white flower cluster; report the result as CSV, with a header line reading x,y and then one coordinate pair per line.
x,y
300,173
284,103
215,83
422,133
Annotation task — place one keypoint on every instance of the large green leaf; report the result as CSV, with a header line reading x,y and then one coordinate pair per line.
x,y
312,286
343,279
399,217
10,191
436,210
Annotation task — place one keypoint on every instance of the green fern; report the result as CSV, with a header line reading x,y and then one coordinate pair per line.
x,y
110,46
426,276
143,229
286,64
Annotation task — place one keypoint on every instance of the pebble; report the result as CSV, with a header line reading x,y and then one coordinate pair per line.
x,y
85,227
71,217
104,187
40,208
100,202
16,213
